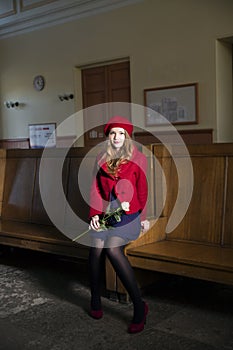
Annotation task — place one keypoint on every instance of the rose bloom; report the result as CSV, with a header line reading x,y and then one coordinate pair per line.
x,y
125,206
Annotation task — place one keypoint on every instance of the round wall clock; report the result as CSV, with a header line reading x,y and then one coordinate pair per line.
x,y
39,82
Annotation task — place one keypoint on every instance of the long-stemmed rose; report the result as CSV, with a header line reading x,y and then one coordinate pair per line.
x,y
104,222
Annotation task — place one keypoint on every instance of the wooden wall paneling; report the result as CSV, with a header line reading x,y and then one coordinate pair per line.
x,y
145,138
227,239
62,141
198,136
195,136
14,143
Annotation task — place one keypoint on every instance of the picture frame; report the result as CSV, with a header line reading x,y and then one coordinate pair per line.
x,y
42,135
177,104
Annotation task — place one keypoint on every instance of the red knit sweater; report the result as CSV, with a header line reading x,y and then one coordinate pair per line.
x,y
129,186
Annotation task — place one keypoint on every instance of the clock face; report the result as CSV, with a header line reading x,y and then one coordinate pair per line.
x,y
39,82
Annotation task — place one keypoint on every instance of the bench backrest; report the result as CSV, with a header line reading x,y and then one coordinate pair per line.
x,y
19,185
21,198
209,218
2,175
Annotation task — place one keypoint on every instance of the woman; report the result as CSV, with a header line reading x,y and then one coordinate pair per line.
x,y
120,178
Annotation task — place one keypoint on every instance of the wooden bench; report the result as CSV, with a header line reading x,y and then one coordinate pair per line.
x,y
201,246
24,222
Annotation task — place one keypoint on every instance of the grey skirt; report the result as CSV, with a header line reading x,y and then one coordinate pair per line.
x,y
128,229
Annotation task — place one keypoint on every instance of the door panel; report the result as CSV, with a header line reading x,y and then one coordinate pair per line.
x,y
110,83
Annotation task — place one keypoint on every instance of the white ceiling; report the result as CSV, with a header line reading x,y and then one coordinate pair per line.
x,y
20,16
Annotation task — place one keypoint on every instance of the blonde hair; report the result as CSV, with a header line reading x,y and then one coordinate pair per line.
x,y
115,158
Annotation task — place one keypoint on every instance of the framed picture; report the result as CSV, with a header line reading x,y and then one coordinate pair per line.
x,y
177,104
41,135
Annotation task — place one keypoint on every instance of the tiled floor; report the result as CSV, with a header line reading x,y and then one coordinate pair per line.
x,y
44,304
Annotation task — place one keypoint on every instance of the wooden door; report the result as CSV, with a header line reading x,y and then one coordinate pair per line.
x,y
110,83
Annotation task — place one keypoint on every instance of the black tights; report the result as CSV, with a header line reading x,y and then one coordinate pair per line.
x,y
125,272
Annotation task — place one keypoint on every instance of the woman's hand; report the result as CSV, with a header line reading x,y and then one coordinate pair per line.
x,y
145,225
94,223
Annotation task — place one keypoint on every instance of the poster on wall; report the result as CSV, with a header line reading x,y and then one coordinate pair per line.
x,y
178,104
41,135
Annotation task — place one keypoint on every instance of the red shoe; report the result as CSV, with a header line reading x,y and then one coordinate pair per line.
x,y
97,314
138,327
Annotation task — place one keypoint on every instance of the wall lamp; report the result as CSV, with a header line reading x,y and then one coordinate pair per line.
x,y
10,104
65,97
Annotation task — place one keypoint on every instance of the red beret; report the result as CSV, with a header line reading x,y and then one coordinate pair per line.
x,y
118,122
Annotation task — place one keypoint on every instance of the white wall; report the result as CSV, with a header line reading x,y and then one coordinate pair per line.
x,y
169,42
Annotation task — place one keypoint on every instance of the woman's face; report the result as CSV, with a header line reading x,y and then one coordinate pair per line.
x,y
117,137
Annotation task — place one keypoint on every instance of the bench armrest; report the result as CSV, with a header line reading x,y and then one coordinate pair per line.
x,y
155,233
